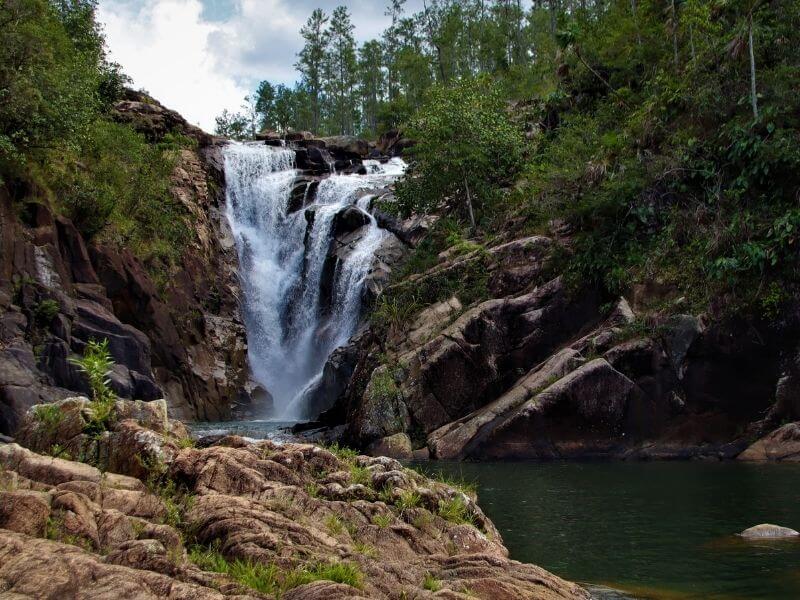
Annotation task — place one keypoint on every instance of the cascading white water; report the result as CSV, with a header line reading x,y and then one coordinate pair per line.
x,y
282,259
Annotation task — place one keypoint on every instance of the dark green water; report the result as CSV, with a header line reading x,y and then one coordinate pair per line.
x,y
656,530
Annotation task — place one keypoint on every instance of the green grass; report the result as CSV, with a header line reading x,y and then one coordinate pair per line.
x,y
456,511
431,584
383,520
49,415
360,475
268,578
408,499
334,525
343,453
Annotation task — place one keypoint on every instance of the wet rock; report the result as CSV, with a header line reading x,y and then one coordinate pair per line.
x,y
767,531
348,220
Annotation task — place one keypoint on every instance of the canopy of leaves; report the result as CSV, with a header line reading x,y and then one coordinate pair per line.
x,y
468,147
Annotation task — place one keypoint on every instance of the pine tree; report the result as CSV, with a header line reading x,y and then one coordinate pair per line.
x,y
340,72
311,61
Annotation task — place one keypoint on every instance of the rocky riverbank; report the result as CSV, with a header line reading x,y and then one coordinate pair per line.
x,y
144,514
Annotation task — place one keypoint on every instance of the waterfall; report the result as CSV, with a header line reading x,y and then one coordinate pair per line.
x,y
283,258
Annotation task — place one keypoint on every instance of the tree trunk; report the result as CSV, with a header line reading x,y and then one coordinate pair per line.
x,y
469,206
753,95
675,33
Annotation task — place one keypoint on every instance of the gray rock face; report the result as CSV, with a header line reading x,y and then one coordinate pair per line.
x,y
768,531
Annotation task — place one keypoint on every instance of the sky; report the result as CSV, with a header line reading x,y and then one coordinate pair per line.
x,y
201,56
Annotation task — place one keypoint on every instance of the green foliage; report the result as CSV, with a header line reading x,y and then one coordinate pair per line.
x,y
430,583
51,70
455,510
408,499
382,387
383,520
268,578
343,453
46,310
468,148
360,475
120,188
96,364
49,415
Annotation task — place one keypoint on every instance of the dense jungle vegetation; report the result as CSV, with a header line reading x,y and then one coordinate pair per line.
x,y
58,141
660,136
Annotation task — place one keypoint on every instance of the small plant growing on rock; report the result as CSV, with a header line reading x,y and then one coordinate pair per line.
x,y
46,311
383,520
364,549
360,475
58,451
334,525
96,364
430,583
408,499
312,489
343,453
49,415
456,511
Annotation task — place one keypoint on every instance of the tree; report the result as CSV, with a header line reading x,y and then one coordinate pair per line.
x,y
371,83
311,61
340,72
235,126
265,105
467,148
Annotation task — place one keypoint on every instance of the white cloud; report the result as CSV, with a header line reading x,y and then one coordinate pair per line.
x,y
164,46
198,65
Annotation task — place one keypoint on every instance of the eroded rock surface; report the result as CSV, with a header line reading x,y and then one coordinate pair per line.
x,y
70,530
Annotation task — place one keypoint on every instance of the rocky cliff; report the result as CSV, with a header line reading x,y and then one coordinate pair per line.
x,y
162,519
174,333
489,354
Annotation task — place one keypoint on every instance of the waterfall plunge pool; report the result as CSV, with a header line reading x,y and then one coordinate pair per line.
x,y
657,530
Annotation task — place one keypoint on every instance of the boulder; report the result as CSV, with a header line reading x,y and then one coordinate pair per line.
x,y
783,444
768,531
344,147
394,446
582,414
347,220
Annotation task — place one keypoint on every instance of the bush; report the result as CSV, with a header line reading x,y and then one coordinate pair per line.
x,y
468,148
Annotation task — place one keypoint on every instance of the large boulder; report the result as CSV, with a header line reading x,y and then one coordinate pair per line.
x,y
345,147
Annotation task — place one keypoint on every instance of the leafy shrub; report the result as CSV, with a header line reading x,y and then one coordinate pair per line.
x,y
46,310
467,147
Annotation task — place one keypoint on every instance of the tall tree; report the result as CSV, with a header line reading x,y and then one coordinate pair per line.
x,y
340,72
311,61
265,104
371,85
